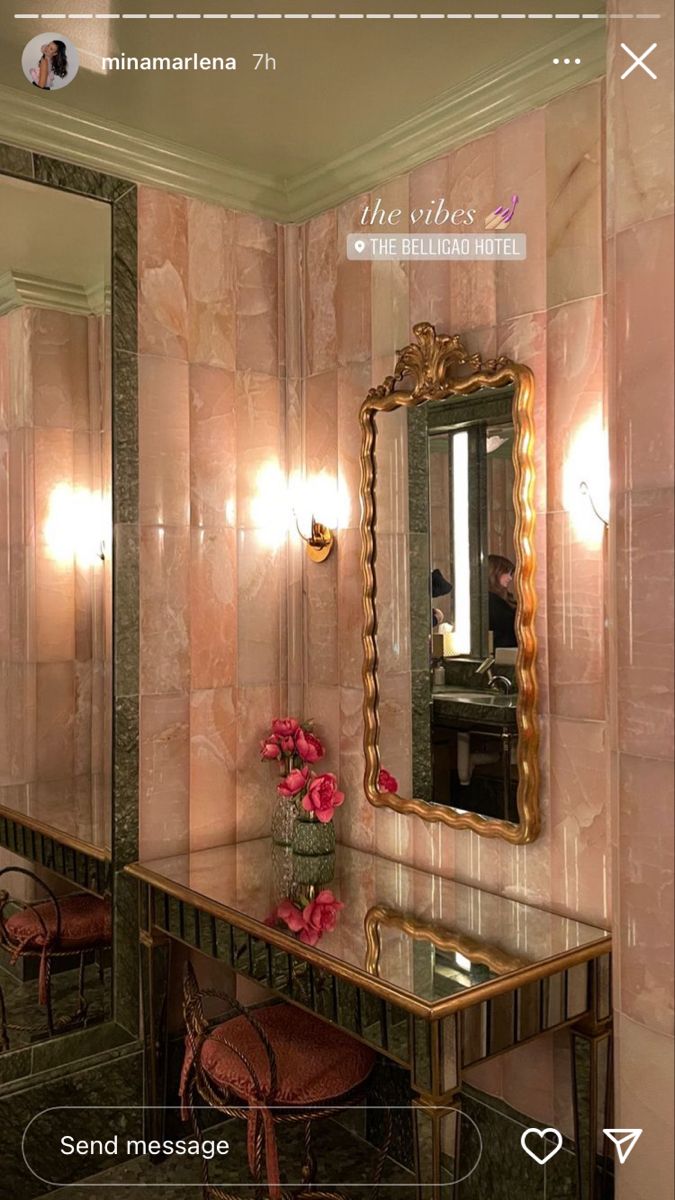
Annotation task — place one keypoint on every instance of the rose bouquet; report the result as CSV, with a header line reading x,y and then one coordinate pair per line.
x,y
303,794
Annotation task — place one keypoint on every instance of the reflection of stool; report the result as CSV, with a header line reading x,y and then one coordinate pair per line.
x,y
282,1065
54,928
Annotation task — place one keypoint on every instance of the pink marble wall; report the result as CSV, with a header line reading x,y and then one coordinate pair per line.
x,y
54,592
548,312
213,604
639,253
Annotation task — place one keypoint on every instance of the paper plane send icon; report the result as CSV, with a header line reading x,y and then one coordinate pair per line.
x,y
625,1140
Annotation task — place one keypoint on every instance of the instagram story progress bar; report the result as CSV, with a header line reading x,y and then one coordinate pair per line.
x,y
467,247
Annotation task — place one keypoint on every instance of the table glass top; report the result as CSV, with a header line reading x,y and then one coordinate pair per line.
x,y
427,937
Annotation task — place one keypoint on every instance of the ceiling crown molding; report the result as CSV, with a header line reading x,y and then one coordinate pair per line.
x,y
35,292
458,115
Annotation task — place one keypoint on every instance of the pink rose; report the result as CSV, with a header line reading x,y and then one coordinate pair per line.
x,y
285,727
288,745
290,915
323,797
294,782
270,749
321,913
386,782
308,746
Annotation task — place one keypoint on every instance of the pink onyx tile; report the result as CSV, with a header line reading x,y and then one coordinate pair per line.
x,y
395,737
579,819
645,891
164,442
644,538
433,847
479,861
321,424
59,369
4,373
162,274
473,285
55,719
524,340
353,290
574,387
213,608
521,171
164,610
213,448
257,310
576,622
429,281
54,606
643,414
322,638
257,706
258,233
22,604
211,284
356,820
19,689
350,611
352,386
644,1100
320,285
486,1076
392,581
52,464
213,772
259,434
90,599
394,835
640,169
574,194
86,715
321,709
164,796
390,284
20,389
260,575
391,466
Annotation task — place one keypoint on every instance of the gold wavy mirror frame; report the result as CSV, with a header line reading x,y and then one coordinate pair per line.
x,y
489,955
432,368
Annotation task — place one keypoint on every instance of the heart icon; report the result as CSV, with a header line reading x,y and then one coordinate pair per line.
x,y
541,1134
359,247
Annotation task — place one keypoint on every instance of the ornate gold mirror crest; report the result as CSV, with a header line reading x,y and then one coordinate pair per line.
x,y
437,368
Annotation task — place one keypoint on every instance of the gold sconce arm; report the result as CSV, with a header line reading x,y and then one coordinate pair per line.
x,y
320,542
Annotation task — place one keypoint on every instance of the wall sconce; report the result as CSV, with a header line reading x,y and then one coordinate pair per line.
x,y
320,541
586,484
586,491
316,507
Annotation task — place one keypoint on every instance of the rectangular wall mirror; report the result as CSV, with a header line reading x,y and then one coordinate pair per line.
x,y
55,609
449,644
55,651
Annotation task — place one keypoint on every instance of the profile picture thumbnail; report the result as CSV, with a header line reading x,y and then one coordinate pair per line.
x,y
50,62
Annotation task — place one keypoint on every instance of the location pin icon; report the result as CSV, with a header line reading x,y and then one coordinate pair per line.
x,y
359,246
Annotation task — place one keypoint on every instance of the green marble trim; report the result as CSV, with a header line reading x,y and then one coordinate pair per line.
x,y
66,1053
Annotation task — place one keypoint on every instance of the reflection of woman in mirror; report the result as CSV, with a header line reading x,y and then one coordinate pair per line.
x,y
501,602
439,587
54,61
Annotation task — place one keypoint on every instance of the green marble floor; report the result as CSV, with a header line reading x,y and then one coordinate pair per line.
x,y
26,1017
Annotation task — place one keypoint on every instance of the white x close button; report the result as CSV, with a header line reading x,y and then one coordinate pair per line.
x,y
638,60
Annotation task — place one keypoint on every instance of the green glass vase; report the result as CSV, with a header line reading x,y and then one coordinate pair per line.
x,y
312,837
